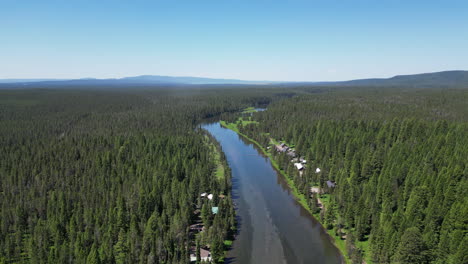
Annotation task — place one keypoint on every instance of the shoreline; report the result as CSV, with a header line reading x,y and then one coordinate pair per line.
x,y
300,198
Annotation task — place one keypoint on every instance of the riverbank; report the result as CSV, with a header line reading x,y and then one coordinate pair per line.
x,y
301,199
273,227
222,173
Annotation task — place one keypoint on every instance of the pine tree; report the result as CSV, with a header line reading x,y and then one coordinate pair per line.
x,y
411,248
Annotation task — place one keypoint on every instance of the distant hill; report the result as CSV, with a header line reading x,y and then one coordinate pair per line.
x,y
144,80
187,80
436,79
27,80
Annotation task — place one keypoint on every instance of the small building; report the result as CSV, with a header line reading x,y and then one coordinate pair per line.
x,y
203,194
315,190
214,210
295,160
193,254
196,227
331,184
205,255
281,147
303,161
317,170
210,196
299,166
291,153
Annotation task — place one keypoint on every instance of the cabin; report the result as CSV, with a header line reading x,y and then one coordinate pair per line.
x,y
302,160
196,227
315,190
214,210
205,255
210,196
331,184
317,170
281,147
299,166
203,194
291,153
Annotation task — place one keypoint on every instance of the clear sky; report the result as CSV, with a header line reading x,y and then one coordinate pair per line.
x,y
313,40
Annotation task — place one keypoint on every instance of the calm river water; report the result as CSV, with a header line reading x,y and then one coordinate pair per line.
x,y
274,228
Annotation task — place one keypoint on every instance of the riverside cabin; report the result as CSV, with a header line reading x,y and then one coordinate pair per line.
x,y
281,147
299,166
205,255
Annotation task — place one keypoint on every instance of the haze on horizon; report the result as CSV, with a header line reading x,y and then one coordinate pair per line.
x,y
250,40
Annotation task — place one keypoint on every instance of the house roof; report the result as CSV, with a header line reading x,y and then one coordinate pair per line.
x,y
331,184
299,166
214,210
204,253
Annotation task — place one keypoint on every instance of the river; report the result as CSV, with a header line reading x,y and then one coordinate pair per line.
x,y
273,226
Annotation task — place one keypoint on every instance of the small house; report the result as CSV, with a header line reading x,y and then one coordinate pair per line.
x,y
299,166
203,194
331,184
210,196
205,255
282,147
193,254
317,170
196,227
214,210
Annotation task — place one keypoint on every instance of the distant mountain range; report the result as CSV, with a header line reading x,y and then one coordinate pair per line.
x,y
137,80
445,78
436,79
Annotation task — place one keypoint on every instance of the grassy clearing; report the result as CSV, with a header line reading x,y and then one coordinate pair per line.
x,y
302,199
219,171
216,156
249,110
247,122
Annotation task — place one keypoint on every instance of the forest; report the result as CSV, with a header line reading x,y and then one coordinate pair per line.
x,y
111,176
115,175
393,168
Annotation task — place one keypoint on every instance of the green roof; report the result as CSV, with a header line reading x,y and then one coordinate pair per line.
x,y
214,210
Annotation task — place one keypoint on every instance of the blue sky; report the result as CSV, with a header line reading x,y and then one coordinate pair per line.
x,y
312,40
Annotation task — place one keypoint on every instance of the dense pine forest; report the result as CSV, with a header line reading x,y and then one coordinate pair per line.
x,y
116,176
96,176
393,167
